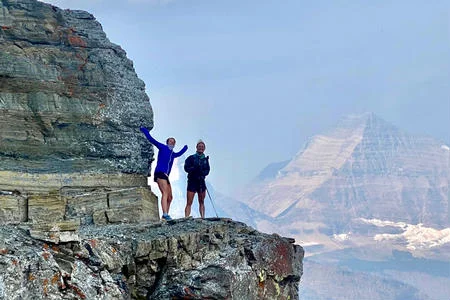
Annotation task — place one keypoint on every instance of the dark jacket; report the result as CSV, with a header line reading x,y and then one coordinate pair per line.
x,y
165,154
197,166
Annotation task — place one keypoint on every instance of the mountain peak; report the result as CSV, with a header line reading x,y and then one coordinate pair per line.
x,y
364,123
364,166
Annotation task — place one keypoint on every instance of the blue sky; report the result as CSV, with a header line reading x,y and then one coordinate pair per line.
x,y
255,79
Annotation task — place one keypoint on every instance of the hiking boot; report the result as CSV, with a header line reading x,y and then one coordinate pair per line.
x,y
166,217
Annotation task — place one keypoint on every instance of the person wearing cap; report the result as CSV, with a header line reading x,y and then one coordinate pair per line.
x,y
166,156
197,167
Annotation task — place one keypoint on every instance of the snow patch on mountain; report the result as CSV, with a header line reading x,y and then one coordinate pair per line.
x,y
416,236
341,237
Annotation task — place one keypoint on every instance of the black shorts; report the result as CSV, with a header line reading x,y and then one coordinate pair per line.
x,y
160,175
196,186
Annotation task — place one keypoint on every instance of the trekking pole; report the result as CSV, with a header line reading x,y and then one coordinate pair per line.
x,y
212,202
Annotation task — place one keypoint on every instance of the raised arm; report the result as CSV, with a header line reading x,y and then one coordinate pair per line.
x,y
150,138
176,154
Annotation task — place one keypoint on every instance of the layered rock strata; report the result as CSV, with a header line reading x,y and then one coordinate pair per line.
x,y
71,105
183,259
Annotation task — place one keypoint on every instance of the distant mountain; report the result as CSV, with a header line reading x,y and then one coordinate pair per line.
x,y
354,197
342,283
364,167
271,171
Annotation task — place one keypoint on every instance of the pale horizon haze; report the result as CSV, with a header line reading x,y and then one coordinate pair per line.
x,y
256,79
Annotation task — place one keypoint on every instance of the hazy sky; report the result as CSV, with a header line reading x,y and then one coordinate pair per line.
x,y
255,79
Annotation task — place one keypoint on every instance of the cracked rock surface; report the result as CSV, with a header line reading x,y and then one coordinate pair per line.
x,y
182,259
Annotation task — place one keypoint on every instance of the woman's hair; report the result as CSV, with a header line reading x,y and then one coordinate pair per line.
x,y
171,138
201,142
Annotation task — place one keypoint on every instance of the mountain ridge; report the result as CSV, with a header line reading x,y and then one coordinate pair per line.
x,y
353,158
369,203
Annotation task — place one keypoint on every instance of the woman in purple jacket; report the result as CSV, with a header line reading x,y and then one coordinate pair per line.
x,y
166,155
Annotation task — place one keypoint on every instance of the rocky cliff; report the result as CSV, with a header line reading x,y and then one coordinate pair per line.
x,y
73,161
71,107
182,259
70,99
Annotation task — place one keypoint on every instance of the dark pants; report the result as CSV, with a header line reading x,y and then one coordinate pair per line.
x,y
196,186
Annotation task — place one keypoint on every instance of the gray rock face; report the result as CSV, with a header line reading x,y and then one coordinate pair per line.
x,y
185,259
70,100
71,106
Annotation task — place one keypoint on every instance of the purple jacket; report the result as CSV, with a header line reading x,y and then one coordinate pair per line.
x,y
165,155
